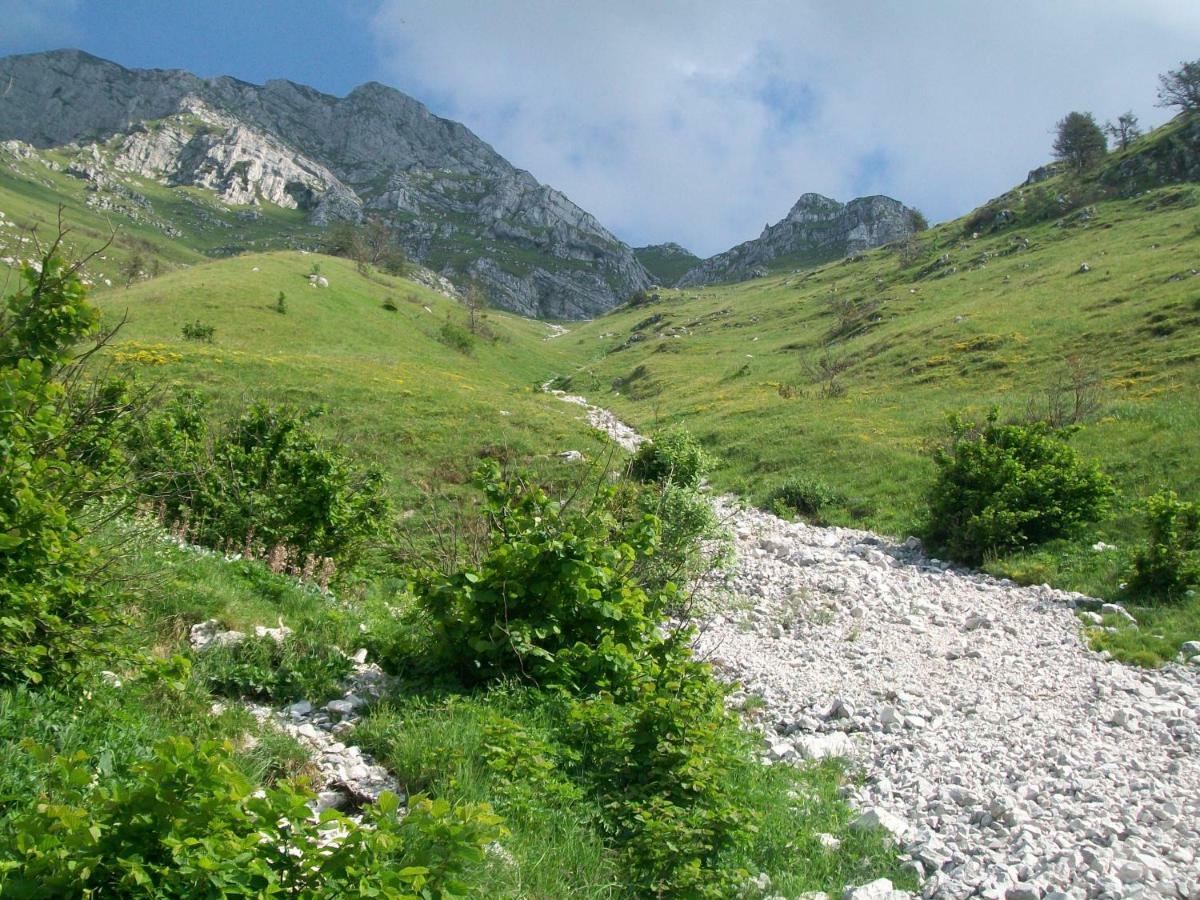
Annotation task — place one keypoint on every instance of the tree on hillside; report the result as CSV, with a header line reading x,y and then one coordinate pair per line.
x,y
918,220
1079,141
1124,130
132,268
475,300
1181,87
373,243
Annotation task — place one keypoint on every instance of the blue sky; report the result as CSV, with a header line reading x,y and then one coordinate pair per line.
x,y
689,120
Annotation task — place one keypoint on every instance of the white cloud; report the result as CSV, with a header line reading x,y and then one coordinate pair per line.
x,y
700,121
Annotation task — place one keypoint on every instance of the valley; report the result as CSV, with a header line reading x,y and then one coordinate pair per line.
x,y
373,519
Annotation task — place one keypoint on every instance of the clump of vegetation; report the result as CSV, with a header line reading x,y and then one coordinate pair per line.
x,y
675,456
263,477
456,337
371,243
1079,141
1167,568
804,495
198,331
1004,487
389,303
281,304
553,600
188,823
278,670
59,447
1180,88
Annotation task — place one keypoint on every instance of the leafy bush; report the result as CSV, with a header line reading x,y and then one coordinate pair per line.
x,y
457,337
1169,565
661,765
805,495
189,824
263,477
674,456
198,331
1003,487
281,671
691,537
55,616
281,304
553,601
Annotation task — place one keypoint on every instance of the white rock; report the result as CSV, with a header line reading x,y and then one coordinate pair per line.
x,y
877,817
824,746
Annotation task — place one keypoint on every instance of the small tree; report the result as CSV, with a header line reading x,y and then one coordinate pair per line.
x,y
918,220
1079,142
133,267
475,300
1124,130
1181,87
281,303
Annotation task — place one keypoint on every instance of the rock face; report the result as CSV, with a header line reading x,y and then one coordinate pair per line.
x,y
459,207
816,230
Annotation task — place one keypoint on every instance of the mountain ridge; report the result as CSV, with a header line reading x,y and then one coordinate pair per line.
x,y
816,229
456,205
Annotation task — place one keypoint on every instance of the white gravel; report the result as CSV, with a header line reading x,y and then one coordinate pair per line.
x,y
1009,760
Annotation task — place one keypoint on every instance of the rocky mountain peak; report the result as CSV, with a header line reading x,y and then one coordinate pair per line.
x,y
456,205
815,230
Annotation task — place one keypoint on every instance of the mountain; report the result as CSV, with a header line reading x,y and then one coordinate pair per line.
x,y
816,230
666,263
456,205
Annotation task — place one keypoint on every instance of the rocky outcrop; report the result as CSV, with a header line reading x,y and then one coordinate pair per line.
x,y
243,166
816,230
458,206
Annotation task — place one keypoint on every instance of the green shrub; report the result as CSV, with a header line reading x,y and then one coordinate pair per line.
x,y
457,337
281,304
280,671
674,456
1003,487
1168,567
190,825
554,601
661,765
198,331
263,478
805,495
54,617
692,540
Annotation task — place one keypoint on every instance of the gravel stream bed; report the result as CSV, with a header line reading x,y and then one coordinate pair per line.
x,y
1008,759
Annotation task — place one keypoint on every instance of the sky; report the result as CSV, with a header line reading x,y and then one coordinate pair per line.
x,y
693,121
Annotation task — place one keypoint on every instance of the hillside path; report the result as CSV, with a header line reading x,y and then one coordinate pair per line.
x,y
1009,760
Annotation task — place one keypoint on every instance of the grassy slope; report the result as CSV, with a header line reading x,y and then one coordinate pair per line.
x,y
396,394
735,364
668,268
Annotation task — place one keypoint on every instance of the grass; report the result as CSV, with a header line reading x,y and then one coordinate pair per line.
x,y
395,393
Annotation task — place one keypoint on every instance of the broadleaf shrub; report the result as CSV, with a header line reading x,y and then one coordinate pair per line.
x,y
674,456
264,477
554,600
189,824
54,617
1003,487
1168,567
661,765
